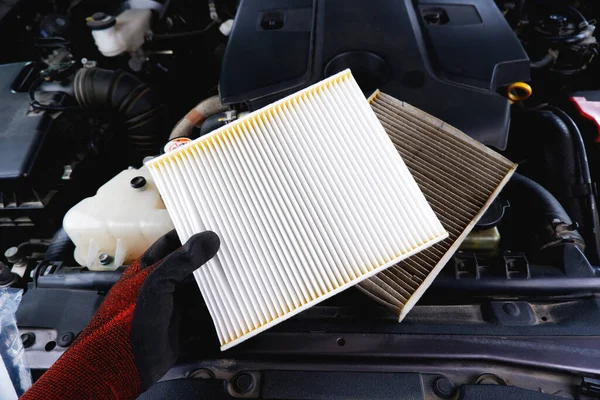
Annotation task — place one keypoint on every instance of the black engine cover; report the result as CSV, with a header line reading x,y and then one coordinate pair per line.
x,y
447,57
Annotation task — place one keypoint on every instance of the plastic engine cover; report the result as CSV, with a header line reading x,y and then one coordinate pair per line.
x,y
446,57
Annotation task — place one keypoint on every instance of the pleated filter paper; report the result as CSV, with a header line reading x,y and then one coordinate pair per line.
x,y
460,179
309,196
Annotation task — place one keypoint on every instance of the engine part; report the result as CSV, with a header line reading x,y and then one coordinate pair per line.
x,y
434,55
219,120
123,34
47,162
55,26
459,177
546,60
121,221
566,36
493,215
309,197
557,241
132,100
556,227
76,278
555,157
61,247
585,181
22,134
588,104
175,143
487,240
518,91
196,116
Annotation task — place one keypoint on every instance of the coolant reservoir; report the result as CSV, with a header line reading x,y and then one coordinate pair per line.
x,y
126,33
119,223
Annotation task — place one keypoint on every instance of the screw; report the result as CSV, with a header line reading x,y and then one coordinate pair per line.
x,y
444,388
65,339
138,182
28,339
511,309
243,383
105,259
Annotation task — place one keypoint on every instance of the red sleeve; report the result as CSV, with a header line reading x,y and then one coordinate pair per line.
x,y
100,363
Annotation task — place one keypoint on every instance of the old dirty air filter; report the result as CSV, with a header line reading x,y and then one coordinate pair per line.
x,y
309,197
459,177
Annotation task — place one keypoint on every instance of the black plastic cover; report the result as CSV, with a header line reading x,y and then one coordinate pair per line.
x,y
447,57
20,136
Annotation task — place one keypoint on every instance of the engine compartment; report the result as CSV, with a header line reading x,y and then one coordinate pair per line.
x,y
89,90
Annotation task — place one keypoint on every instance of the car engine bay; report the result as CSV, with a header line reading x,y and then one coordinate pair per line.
x,y
90,90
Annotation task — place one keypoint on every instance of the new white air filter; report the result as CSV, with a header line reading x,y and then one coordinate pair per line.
x,y
309,197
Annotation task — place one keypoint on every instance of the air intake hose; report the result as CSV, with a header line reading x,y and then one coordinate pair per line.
x,y
134,103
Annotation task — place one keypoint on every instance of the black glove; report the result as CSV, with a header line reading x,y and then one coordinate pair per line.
x,y
133,339
155,329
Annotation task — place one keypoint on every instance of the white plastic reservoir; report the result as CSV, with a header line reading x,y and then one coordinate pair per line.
x,y
119,223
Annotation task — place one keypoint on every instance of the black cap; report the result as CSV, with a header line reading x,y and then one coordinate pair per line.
x,y
138,182
100,21
13,254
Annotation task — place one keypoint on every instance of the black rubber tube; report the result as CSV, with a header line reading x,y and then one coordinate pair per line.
x,y
520,287
551,213
593,220
211,123
540,198
134,103
60,247
559,165
544,62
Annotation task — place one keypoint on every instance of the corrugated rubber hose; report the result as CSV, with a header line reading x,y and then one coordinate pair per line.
x,y
60,247
137,107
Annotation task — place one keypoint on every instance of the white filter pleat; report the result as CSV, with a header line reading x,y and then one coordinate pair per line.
x,y
309,197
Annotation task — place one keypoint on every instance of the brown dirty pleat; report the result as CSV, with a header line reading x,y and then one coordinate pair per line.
x,y
459,177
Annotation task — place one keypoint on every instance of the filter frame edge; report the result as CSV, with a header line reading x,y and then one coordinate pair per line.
x,y
298,310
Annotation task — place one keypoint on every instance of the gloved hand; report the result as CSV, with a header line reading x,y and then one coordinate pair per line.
x,y
133,339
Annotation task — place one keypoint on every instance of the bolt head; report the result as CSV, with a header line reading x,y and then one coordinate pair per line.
x,y
138,182
104,259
